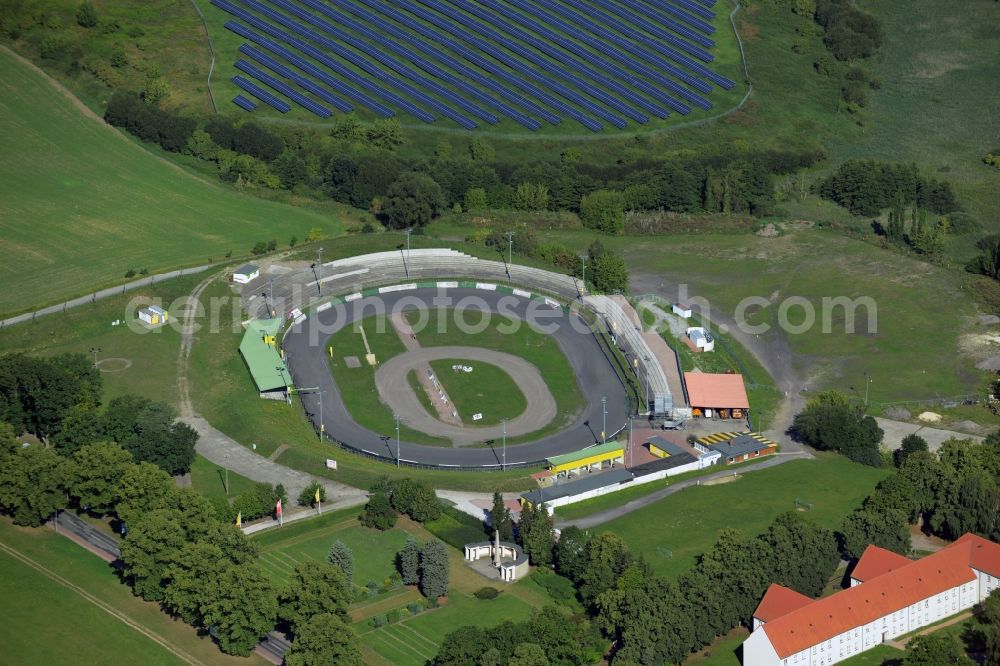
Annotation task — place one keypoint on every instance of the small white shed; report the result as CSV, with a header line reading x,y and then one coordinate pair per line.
x,y
246,273
153,315
701,338
682,310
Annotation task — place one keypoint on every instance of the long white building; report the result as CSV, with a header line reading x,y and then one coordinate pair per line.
x,y
889,596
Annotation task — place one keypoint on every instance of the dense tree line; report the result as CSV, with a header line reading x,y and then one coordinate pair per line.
x,y
388,497
948,493
357,166
867,187
179,549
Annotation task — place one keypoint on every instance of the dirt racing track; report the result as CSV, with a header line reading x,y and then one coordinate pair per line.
x,y
305,345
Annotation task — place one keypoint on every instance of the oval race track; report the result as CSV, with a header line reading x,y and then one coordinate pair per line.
x,y
305,346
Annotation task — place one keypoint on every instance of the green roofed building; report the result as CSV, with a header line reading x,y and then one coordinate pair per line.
x,y
586,460
259,350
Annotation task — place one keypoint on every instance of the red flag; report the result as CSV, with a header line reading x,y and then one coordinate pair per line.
x,y
277,509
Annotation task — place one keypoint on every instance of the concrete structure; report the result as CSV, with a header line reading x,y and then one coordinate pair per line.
x,y
701,339
622,323
246,273
511,562
736,447
790,632
681,310
587,460
259,351
716,395
578,490
153,315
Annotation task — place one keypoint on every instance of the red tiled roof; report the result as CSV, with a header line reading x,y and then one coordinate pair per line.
x,y
876,561
779,600
716,391
984,555
857,606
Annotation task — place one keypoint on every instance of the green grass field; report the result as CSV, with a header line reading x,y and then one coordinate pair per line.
x,y
64,605
374,551
81,204
912,354
688,523
209,479
487,390
533,346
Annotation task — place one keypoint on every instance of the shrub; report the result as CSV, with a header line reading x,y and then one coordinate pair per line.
x,y
379,621
86,15
487,593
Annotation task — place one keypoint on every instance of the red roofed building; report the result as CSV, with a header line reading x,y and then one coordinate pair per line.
x,y
902,598
874,562
706,390
778,601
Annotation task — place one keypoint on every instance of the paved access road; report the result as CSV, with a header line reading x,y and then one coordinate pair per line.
x,y
306,344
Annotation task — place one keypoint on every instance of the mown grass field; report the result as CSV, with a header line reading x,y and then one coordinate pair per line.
x,y
70,608
537,348
80,205
209,479
487,390
671,533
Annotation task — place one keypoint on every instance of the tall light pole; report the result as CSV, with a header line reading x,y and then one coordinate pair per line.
x,y
584,259
396,416
322,423
270,300
510,254
96,351
868,382
604,424
503,464
408,231
319,278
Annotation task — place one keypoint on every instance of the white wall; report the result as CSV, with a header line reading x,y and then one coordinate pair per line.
x,y
851,642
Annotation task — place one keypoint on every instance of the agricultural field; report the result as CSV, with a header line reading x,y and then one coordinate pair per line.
x,y
487,390
65,606
688,523
516,69
99,205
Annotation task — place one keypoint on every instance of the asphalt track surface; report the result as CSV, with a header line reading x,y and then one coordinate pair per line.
x,y
306,343
390,380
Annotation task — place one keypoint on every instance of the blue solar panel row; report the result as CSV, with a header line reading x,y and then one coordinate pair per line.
x,y
324,59
300,81
480,57
393,64
653,29
606,64
436,38
631,45
513,63
244,103
487,65
627,60
309,68
262,95
656,12
283,88
306,33
700,8
426,65
556,54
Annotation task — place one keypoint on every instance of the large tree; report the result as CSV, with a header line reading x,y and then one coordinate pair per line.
x,y
936,650
315,587
152,544
434,569
537,536
408,562
413,200
244,611
378,513
192,580
607,557
341,557
324,639
97,476
571,553
830,422
885,529
142,488
609,273
33,484
500,519
149,431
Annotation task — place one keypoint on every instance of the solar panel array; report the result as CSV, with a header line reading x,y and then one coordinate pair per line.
x,y
596,62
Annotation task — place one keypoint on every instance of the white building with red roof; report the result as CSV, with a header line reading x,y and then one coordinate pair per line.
x,y
890,596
